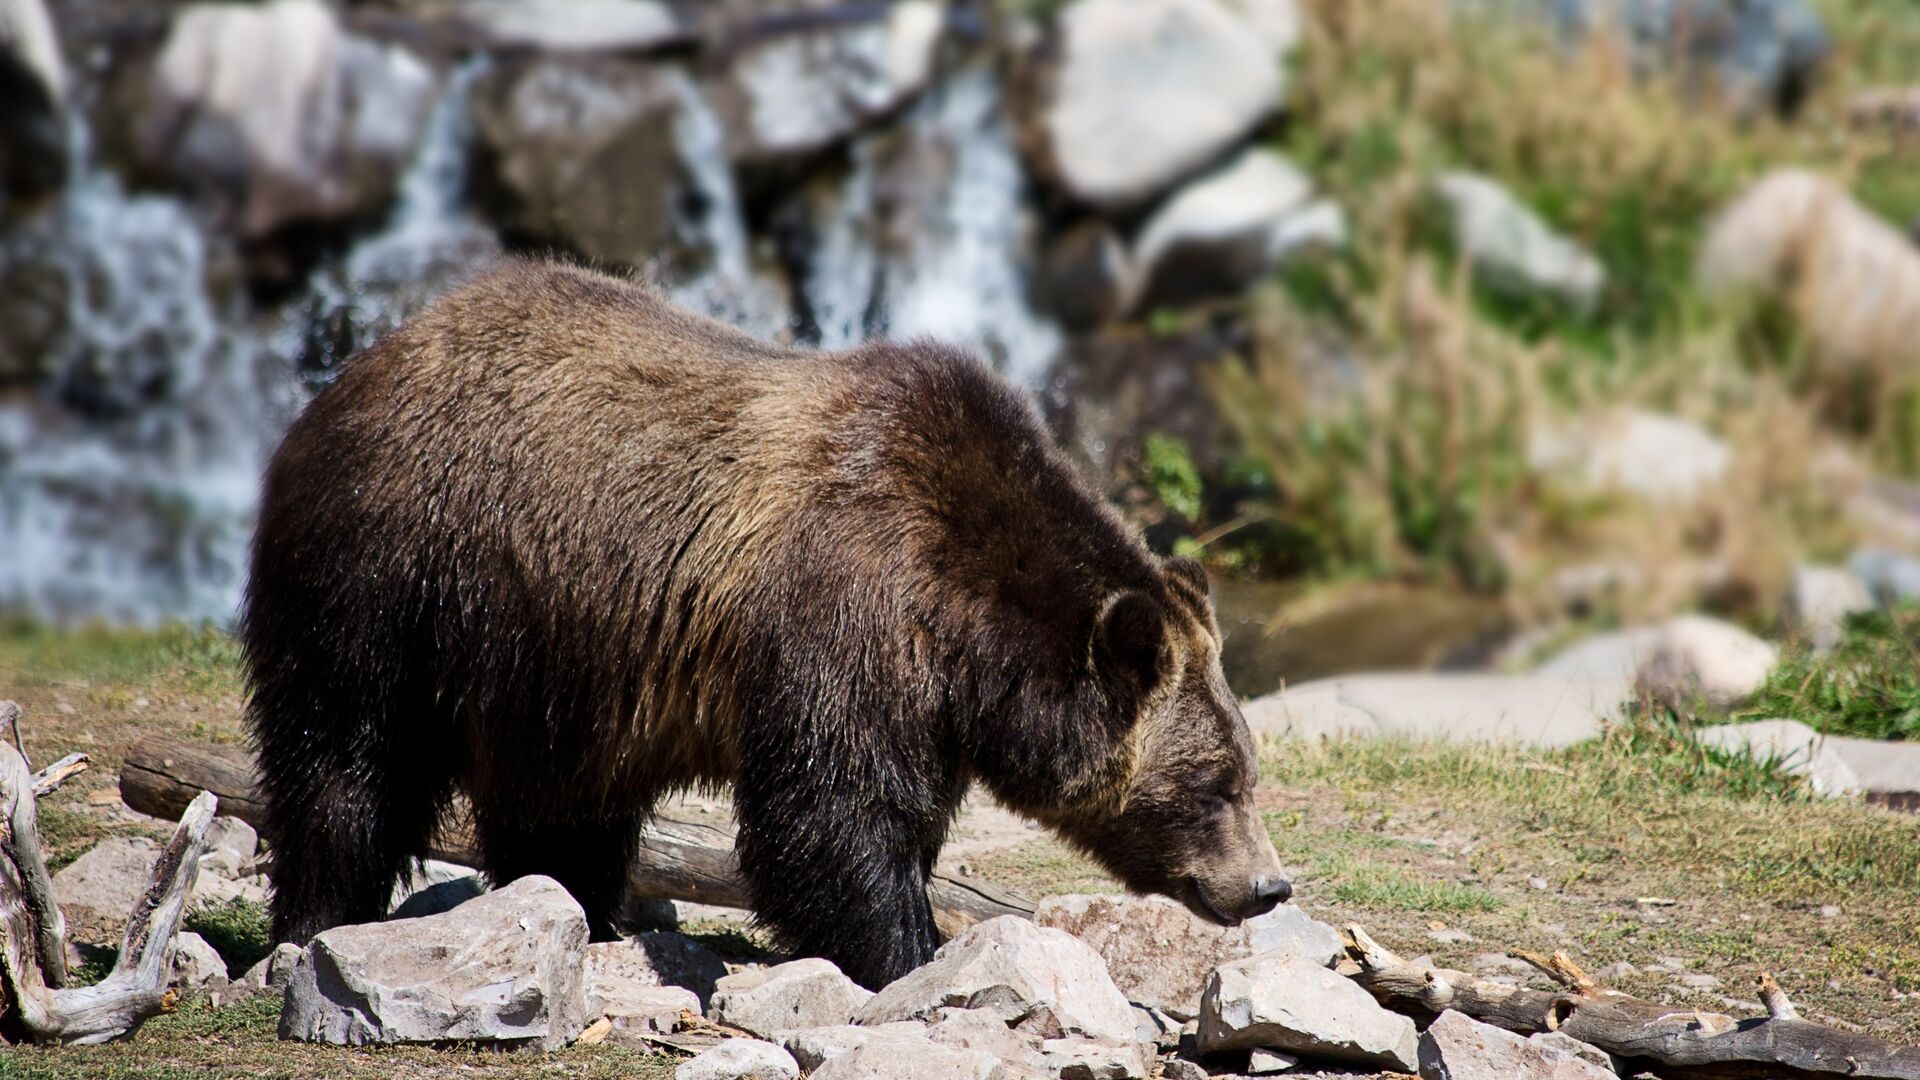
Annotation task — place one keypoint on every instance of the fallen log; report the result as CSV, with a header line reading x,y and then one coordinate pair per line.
x,y
679,857
1665,1040
35,1002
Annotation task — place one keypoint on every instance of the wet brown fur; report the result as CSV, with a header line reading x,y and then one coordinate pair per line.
x,y
563,547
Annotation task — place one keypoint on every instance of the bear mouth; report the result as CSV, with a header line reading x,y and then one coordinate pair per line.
x,y
1201,904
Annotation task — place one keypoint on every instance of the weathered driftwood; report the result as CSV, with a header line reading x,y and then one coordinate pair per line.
x,y
48,780
1665,1040
679,858
38,1004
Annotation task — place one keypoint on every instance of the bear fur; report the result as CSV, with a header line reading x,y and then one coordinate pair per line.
x,y
563,548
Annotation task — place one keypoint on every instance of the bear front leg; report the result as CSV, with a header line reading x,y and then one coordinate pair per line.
x,y
840,877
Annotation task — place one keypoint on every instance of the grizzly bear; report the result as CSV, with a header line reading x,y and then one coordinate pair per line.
x,y
566,549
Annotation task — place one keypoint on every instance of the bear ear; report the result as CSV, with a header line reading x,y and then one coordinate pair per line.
x,y
1131,639
1189,572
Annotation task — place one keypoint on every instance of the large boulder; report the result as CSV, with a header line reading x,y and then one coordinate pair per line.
x,y
33,102
1230,227
1160,954
507,967
1015,967
1685,658
1136,94
787,96
1511,248
1458,1047
1290,1004
1850,279
806,993
274,115
583,153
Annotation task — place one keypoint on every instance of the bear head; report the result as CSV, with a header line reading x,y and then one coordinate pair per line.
x,y
1178,815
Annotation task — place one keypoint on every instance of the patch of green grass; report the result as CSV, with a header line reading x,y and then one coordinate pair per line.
x,y
193,659
1172,475
1869,685
238,929
1374,886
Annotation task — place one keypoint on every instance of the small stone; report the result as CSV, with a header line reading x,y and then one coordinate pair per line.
x,y
1500,963
1512,248
194,964
231,847
1450,936
1572,1047
1538,883
1174,1068
740,1059
806,993
1011,964
1819,601
1264,1061
1700,981
1829,911
1281,1002
269,976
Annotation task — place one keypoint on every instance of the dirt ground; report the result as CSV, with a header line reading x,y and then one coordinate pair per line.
x,y
1678,876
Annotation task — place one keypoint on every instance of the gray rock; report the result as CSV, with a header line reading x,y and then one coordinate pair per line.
x,y
269,976
507,967
1892,577
1511,248
97,891
1010,964
1572,1047
813,1047
1689,657
273,113
1889,772
1174,1068
1662,459
33,119
1091,1059
1144,92
789,95
1533,710
1289,1004
1159,954
740,1059
1230,227
986,1031
194,964
1263,1062
1457,1047
1820,599
1797,748
630,996
231,847
880,1061
660,958
805,993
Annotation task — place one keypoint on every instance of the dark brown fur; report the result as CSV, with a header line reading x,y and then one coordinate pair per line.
x,y
568,549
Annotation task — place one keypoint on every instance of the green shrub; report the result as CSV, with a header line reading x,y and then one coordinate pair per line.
x,y
1869,685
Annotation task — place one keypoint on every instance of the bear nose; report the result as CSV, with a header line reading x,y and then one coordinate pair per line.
x,y
1269,893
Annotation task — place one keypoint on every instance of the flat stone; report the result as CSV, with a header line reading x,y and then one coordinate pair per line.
x,y
805,993
1797,748
507,967
1159,954
637,1006
1457,1047
1012,965
574,25
1285,1003
984,1030
97,891
1528,710
1263,1062
740,1059
1888,772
